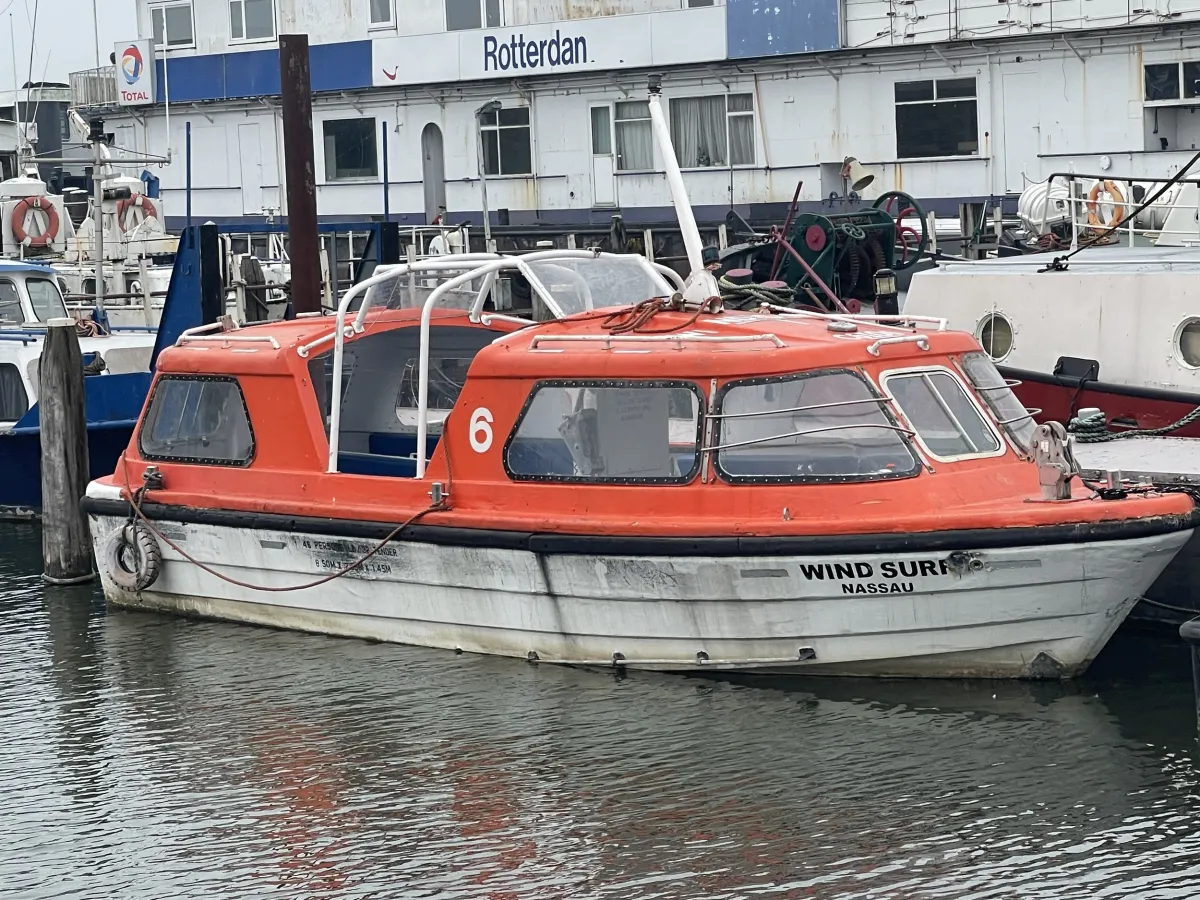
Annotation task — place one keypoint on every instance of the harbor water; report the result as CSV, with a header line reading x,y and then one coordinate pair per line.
x,y
152,757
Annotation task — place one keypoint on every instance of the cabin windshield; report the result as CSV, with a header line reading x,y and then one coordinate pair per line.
x,y
820,426
46,299
578,285
1010,412
627,432
404,292
947,421
10,304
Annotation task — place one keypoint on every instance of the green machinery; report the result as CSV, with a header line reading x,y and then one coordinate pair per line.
x,y
818,253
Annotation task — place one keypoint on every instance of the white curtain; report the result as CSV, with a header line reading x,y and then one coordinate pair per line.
x,y
698,131
635,140
741,129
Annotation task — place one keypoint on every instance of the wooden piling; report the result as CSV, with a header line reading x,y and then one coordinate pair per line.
x,y
66,539
300,170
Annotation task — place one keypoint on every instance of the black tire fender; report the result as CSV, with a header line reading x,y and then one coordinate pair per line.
x,y
132,557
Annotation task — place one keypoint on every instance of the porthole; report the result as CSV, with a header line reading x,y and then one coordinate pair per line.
x,y
995,335
1187,343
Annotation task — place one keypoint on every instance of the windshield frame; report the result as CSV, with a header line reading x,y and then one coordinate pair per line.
x,y
61,313
881,401
968,392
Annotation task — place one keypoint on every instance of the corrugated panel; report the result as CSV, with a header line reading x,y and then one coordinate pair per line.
x,y
252,74
192,78
774,27
341,67
255,73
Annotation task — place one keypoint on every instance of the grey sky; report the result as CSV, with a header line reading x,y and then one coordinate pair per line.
x,y
65,40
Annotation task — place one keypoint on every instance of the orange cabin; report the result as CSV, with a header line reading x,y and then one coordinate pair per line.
x,y
722,423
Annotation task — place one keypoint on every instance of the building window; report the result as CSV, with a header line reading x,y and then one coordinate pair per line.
x,y
696,4
197,418
350,149
616,432
506,142
462,15
172,24
383,13
635,139
936,118
252,20
1163,81
713,131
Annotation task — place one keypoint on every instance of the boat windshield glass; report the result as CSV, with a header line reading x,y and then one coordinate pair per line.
x,y
578,285
820,426
947,422
10,304
996,393
47,301
630,432
405,292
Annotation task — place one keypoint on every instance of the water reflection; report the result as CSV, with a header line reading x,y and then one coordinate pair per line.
x,y
152,757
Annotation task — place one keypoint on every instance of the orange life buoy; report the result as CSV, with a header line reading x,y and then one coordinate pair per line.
x,y
22,209
1093,205
140,201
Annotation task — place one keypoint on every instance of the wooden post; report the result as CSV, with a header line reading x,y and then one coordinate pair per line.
x,y
66,540
295,79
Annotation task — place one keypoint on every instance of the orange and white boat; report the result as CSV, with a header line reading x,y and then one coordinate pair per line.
x,y
639,478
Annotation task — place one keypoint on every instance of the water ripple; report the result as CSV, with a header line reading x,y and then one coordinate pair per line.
x,y
148,757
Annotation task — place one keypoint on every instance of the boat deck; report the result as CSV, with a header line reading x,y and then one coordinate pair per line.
x,y
1163,460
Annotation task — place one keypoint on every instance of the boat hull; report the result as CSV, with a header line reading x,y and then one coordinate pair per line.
x,y
1015,612
21,464
1060,399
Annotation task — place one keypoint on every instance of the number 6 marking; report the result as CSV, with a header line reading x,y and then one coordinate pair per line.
x,y
481,430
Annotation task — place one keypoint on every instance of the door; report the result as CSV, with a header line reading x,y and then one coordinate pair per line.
x,y
250,154
433,172
604,163
1022,130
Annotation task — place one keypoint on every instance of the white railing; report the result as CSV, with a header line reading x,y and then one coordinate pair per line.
x,y
1172,220
94,87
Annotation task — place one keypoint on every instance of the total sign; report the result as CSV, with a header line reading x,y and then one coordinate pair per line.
x,y
135,73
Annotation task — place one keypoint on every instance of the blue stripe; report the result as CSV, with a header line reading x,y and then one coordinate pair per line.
x,y
255,73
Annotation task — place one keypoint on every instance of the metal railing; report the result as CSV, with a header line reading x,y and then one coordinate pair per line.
x,y
93,88
1079,205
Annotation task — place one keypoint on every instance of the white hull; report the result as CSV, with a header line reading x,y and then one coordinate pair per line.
x,y
1020,612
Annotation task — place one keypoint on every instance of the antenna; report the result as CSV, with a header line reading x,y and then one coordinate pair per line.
x,y
700,284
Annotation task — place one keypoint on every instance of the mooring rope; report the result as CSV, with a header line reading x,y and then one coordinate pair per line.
x,y
1093,429
135,498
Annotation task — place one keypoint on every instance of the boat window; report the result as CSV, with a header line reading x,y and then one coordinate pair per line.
x,y
582,284
10,304
14,402
1010,412
947,422
401,292
377,433
198,418
612,432
47,301
820,426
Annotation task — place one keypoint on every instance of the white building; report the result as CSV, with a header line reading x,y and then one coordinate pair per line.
x,y
947,100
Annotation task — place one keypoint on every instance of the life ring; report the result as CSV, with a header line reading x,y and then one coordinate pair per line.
x,y
22,209
1093,205
132,557
138,201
